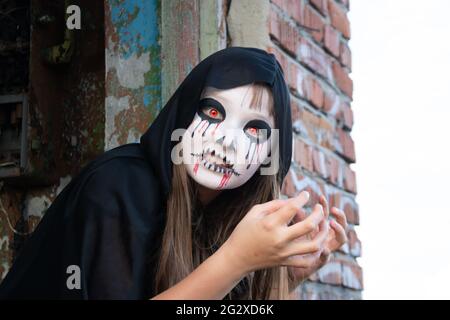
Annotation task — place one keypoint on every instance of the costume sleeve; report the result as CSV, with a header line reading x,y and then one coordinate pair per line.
x,y
113,232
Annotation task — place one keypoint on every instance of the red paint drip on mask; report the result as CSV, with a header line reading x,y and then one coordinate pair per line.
x,y
196,167
225,178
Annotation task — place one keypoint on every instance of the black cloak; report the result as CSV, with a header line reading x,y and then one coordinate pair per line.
x,y
109,219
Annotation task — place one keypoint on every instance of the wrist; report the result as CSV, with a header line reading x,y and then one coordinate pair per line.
x,y
233,261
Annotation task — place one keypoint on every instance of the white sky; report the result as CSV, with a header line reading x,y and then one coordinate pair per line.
x,y
401,67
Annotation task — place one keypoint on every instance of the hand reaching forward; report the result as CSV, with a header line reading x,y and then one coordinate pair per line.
x,y
336,237
263,239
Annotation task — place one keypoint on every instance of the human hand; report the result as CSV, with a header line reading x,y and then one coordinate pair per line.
x,y
336,237
264,238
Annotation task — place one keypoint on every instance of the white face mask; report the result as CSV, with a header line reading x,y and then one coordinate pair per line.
x,y
227,140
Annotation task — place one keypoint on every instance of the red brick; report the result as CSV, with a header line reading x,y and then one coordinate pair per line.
x,y
333,169
318,129
305,85
349,179
348,205
351,212
326,134
341,111
295,111
303,155
332,41
331,273
296,10
319,163
310,89
330,101
288,187
347,115
293,8
314,21
320,5
313,57
342,79
345,56
347,144
314,188
283,31
339,18
332,202
316,94
354,243
352,276
315,193
295,77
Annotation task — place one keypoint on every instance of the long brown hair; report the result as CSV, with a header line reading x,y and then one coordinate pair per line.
x,y
191,235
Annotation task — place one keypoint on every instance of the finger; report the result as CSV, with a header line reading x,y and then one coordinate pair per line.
x,y
310,246
340,217
285,214
299,216
340,234
270,206
313,233
323,201
307,225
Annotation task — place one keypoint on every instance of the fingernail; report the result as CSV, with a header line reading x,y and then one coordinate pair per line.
x,y
307,194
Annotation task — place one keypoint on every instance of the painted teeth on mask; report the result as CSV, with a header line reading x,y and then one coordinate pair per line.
x,y
196,154
217,168
224,158
213,166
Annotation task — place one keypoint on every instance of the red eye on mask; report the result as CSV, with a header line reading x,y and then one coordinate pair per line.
x,y
212,113
211,110
257,130
253,131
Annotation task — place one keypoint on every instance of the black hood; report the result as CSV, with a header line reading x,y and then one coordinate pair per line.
x,y
224,69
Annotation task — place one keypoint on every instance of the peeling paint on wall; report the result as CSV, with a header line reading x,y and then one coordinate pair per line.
x,y
113,107
36,206
130,71
133,71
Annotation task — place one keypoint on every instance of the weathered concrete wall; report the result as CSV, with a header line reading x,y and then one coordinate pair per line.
x,y
179,43
247,23
133,69
213,27
191,31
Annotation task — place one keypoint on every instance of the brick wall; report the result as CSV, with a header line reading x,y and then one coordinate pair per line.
x,y
310,39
